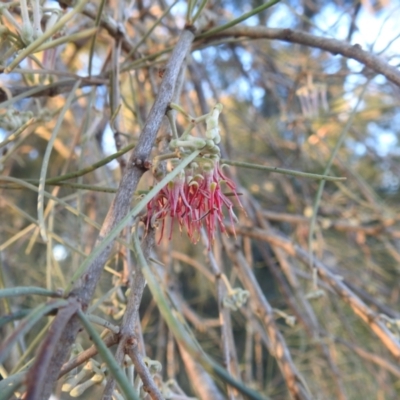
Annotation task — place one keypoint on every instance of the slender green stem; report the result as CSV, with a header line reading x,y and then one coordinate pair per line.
x,y
106,355
15,134
5,301
46,159
26,325
199,10
171,120
34,90
282,171
93,42
103,322
13,317
179,108
86,170
236,21
148,33
187,131
9,385
27,291
56,199
21,139
189,9
322,183
127,66
93,188
31,348
67,39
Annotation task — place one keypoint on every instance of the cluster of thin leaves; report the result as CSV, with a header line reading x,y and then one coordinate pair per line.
x,y
299,297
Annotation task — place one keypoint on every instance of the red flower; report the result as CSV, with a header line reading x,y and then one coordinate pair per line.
x,y
194,201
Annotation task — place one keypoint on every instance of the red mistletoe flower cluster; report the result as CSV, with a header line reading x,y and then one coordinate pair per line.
x,y
194,201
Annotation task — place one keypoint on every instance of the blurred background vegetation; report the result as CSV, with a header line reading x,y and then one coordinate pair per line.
x,y
286,105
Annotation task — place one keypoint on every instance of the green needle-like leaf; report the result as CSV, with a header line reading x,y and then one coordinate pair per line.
x,y
109,359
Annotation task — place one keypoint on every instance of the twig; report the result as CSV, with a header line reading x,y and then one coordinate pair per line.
x,y
109,359
227,340
86,355
261,307
26,325
374,358
336,283
16,93
38,372
149,385
283,171
333,46
309,320
128,341
199,378
28,290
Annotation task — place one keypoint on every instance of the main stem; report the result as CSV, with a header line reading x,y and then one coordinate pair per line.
x,y
119,208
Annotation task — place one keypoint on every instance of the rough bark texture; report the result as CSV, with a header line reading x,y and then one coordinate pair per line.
x,y
119,208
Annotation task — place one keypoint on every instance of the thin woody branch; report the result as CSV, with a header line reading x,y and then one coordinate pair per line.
x,y
128,342
149,386
261,308
297,301
336,283
333,46
14,93
86,355
36,376
227,339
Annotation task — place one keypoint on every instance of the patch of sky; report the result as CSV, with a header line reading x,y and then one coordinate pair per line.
x,y
395,120
60,253
379,80
179,9
315,53
258,96
332,66
241,89
52,4
245,57
101,97
208,54
252,21
332,22
33,154
390,181
358,149
108,145
384,141
224,53
13,76
354,65
241,86
197,56
97,64
351,85
282,17
376,30
234,9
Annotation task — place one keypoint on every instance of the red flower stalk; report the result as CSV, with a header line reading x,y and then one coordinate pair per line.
x,y
194,201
